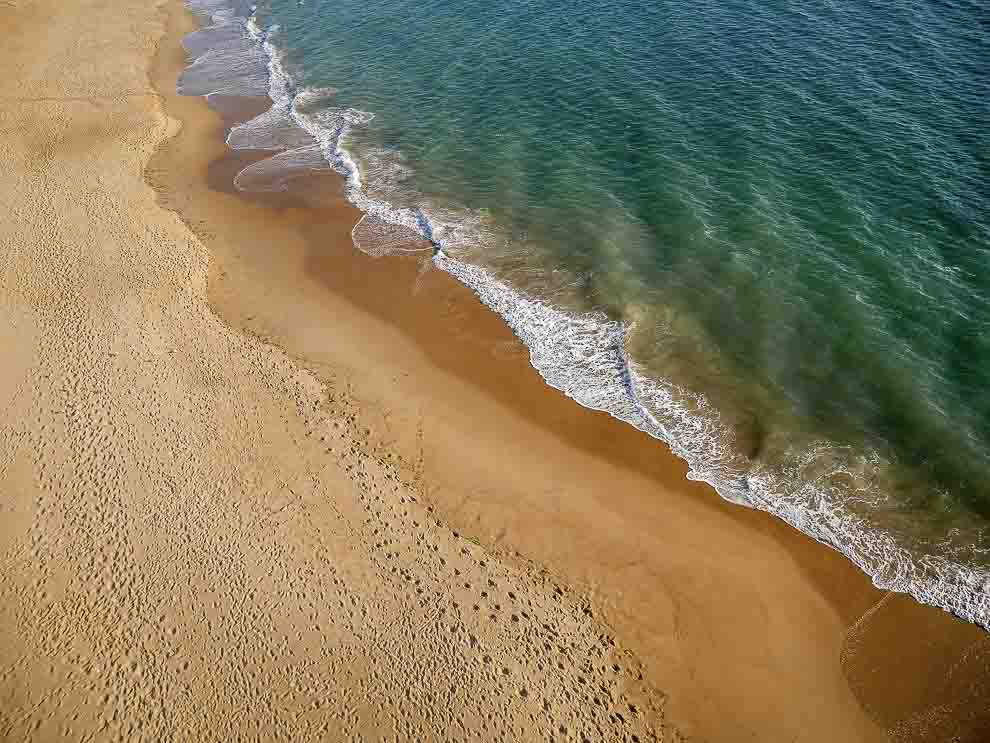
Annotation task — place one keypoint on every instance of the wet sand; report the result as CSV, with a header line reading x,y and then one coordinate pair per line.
x,y
345,503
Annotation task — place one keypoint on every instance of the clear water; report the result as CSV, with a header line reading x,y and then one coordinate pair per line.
x,y
759,231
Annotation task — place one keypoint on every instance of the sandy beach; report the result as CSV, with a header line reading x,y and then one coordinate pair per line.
x,y
258,485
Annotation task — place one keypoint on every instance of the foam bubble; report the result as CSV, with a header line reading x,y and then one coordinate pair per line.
x,y
275,129
274,173
377,238
226,61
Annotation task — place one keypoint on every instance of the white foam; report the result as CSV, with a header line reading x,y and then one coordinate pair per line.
x,y
378,239
274,173
584,355
225,60
275,129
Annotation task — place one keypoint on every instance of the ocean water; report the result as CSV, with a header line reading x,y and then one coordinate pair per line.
x,y
758,231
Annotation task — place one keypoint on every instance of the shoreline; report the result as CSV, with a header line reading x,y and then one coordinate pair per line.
x,y
388,296
260,485
621,389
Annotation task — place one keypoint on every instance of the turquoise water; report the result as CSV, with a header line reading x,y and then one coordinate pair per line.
x,y
759,231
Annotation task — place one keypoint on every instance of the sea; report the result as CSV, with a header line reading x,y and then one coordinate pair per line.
x,y
756,230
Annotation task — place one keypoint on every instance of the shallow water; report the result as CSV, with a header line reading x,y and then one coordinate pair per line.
x,y
755,231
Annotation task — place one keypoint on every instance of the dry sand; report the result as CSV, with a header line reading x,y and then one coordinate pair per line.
x,y
256,485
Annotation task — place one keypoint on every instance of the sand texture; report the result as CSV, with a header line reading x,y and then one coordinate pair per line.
x,y
245,494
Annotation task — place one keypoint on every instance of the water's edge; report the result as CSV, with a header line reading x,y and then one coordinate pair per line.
x,y
583,355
